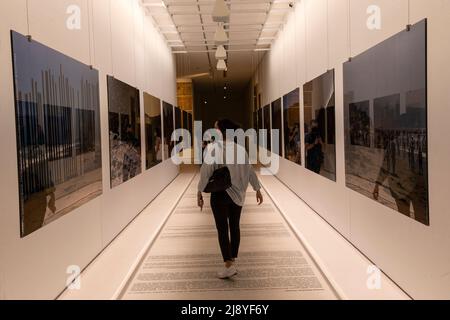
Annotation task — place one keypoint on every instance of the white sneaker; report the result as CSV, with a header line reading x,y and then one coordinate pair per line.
x,y
227,273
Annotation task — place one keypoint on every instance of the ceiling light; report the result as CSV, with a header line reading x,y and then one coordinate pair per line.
x,y
221,53
220,37
221,13
221,65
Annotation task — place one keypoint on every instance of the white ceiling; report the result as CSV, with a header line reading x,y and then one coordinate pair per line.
x,y
189,29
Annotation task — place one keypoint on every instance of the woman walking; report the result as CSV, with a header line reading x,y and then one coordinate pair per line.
x,y
227,204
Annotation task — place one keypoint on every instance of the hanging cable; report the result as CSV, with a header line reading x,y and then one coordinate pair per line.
x,y
90,31
134,45
297,80
328,35
349,31
408,25
28,19
306,42
111,37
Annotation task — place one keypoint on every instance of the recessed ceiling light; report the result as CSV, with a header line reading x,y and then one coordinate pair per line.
x,y
220,36
221,12
221,65
221,53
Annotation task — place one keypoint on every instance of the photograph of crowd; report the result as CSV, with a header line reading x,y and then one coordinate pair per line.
x,y
292,131
320,125
386,135
124,131
153,131
277,124
169,127
267,125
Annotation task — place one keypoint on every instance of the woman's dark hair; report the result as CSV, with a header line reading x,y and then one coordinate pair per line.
x,y
226,124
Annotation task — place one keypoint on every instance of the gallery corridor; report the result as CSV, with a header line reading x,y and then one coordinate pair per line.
x,y
183,261
109,107
170,251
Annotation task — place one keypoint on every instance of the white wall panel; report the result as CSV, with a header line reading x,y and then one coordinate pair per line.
x,y
123,45
9,198
394,17
149,57
413,255
316,38
74,43
290,66
338,38
139,43
101,27
300,42
35,267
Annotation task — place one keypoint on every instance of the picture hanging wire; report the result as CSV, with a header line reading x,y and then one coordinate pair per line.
x,y
28,20
349,31
297,80
408,25
328,36
111,37
90,31
134,46
252,72
306,40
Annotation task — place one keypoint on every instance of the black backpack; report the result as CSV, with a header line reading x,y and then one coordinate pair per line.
x,y
220,181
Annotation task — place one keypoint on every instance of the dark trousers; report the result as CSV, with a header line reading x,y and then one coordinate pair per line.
x,y
227,215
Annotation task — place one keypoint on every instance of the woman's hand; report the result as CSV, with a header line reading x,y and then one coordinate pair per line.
x,y
259,197
200,201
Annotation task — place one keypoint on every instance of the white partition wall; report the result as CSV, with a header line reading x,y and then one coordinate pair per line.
x,y
321,35
118,39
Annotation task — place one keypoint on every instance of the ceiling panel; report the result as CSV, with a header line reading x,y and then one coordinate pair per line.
x,y
235,6
253,25
188,19
248,18
244,35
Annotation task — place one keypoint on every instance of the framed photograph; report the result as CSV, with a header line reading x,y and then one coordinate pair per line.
x,y
320,125
190,125
58,133
386,148
169,127
124,131
277,124
178,118
291,127
267,125
260,119
153,131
